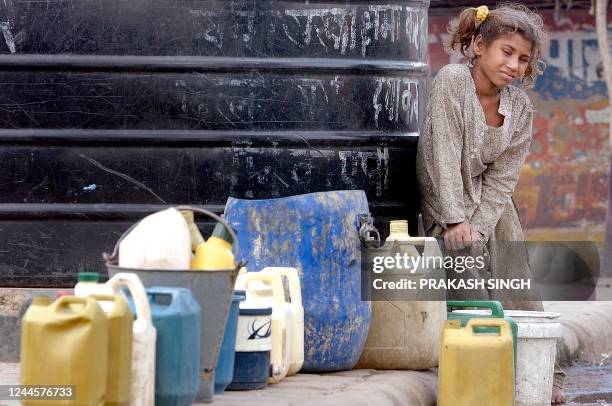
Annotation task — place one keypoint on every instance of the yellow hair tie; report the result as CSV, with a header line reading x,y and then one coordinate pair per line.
x,y
481,14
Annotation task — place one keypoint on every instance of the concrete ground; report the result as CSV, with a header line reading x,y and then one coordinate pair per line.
x,y
587,338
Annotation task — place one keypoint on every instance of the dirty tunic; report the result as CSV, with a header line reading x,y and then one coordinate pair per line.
x,y
467,170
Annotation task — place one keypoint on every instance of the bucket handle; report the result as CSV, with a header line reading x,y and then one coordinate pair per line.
x,y
240,264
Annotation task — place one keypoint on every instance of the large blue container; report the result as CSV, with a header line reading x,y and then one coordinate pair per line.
x,y
177,318
318,234
224,371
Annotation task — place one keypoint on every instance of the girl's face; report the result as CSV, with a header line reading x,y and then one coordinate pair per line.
x,y
505,59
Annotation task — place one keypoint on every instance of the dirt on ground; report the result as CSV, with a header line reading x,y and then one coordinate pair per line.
x,y
12,301
589,384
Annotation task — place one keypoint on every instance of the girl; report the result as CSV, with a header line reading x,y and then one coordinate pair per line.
x,y
476,135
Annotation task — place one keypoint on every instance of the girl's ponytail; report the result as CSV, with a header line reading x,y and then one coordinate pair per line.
x,y
463,30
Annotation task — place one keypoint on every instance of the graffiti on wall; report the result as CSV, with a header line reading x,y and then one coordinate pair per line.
x,y
563,187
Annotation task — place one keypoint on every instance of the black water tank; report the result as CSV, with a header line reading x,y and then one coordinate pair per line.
x,y
112,109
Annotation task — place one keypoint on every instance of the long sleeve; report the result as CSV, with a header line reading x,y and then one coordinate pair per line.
x,y
500,177
441,147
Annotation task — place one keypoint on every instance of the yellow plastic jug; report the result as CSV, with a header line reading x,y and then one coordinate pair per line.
x,y
216,253
296,355
281,314
120,322
66,343
476,368
142,388
405,334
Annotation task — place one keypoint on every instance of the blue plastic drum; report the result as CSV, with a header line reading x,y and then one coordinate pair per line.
x,y
318,233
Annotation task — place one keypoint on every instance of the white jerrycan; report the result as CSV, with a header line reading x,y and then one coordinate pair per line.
x,y
296,356
88,285
159,241
281,313
405,334
142,391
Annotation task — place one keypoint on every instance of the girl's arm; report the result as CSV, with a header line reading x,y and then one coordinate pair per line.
x,y
500,178
442,147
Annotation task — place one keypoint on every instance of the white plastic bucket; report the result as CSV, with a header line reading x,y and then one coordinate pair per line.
x,y
537,347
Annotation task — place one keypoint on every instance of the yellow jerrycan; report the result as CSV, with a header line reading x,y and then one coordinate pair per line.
x,y
261,296
120,322
66,343
476,366
296,356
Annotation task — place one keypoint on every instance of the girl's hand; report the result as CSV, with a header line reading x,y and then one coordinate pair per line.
x,y
461,235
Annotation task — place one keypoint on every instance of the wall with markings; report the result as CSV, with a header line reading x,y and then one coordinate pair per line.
x,y
563,188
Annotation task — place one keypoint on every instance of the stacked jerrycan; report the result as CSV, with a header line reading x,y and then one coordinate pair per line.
x,y
66,343
293,296
478,309
120,323
476,365
405,334
177,318
142,387
319,234
271,294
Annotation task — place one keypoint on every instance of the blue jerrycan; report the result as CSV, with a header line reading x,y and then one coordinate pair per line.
x,y
177,318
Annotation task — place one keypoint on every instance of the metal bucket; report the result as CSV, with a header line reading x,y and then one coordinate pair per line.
x,y
212,289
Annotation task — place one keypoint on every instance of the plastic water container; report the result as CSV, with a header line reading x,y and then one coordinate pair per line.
x,y
159,241
493,308
281,314
405,334
296,355
224,371
120,323
65,343
142,388
88,284
177,319
476,368
318,233
537,343
253,346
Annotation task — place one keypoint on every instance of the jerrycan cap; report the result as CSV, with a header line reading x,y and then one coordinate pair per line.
x,y
89,277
